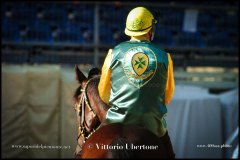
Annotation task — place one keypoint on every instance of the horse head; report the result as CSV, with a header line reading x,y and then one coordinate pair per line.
x,y
91,111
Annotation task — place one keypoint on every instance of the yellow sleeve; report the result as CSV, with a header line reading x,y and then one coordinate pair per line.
x,y
170,81
104,85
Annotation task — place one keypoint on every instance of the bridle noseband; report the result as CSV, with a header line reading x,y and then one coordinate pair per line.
x,y
80,109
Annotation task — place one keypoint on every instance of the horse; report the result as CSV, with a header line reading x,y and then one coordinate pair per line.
x,y
96,139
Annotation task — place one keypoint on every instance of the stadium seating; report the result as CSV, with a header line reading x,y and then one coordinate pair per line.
x,y
220,39
190,39
164,37
67,22
15,58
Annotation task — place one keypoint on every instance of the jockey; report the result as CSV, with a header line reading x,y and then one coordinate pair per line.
x,y
137,79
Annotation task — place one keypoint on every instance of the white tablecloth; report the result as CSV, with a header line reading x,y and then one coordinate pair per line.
x,y
230,115
194,118
230,110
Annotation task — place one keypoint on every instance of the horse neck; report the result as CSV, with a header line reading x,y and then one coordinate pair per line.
x,y
99,107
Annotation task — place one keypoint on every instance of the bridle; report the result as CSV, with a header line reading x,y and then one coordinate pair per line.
x,y
80,109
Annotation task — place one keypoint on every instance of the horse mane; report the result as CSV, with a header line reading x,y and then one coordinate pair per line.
x,y
93,87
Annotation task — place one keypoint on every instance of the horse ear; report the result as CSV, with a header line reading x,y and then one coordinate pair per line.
x,y
79,75
93,72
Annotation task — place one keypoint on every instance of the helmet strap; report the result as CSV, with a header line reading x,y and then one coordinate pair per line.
x,y
153,32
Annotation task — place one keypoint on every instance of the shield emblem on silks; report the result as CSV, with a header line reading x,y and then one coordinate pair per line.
x,y
140,64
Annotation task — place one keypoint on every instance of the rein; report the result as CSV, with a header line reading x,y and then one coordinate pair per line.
x,y
80,108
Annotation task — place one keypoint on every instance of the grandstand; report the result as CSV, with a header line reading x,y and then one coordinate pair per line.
x,y
82,32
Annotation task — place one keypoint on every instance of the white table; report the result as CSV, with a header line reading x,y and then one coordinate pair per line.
x,y
194,118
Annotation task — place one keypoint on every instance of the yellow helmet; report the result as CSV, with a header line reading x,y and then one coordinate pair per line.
x,y
139,22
